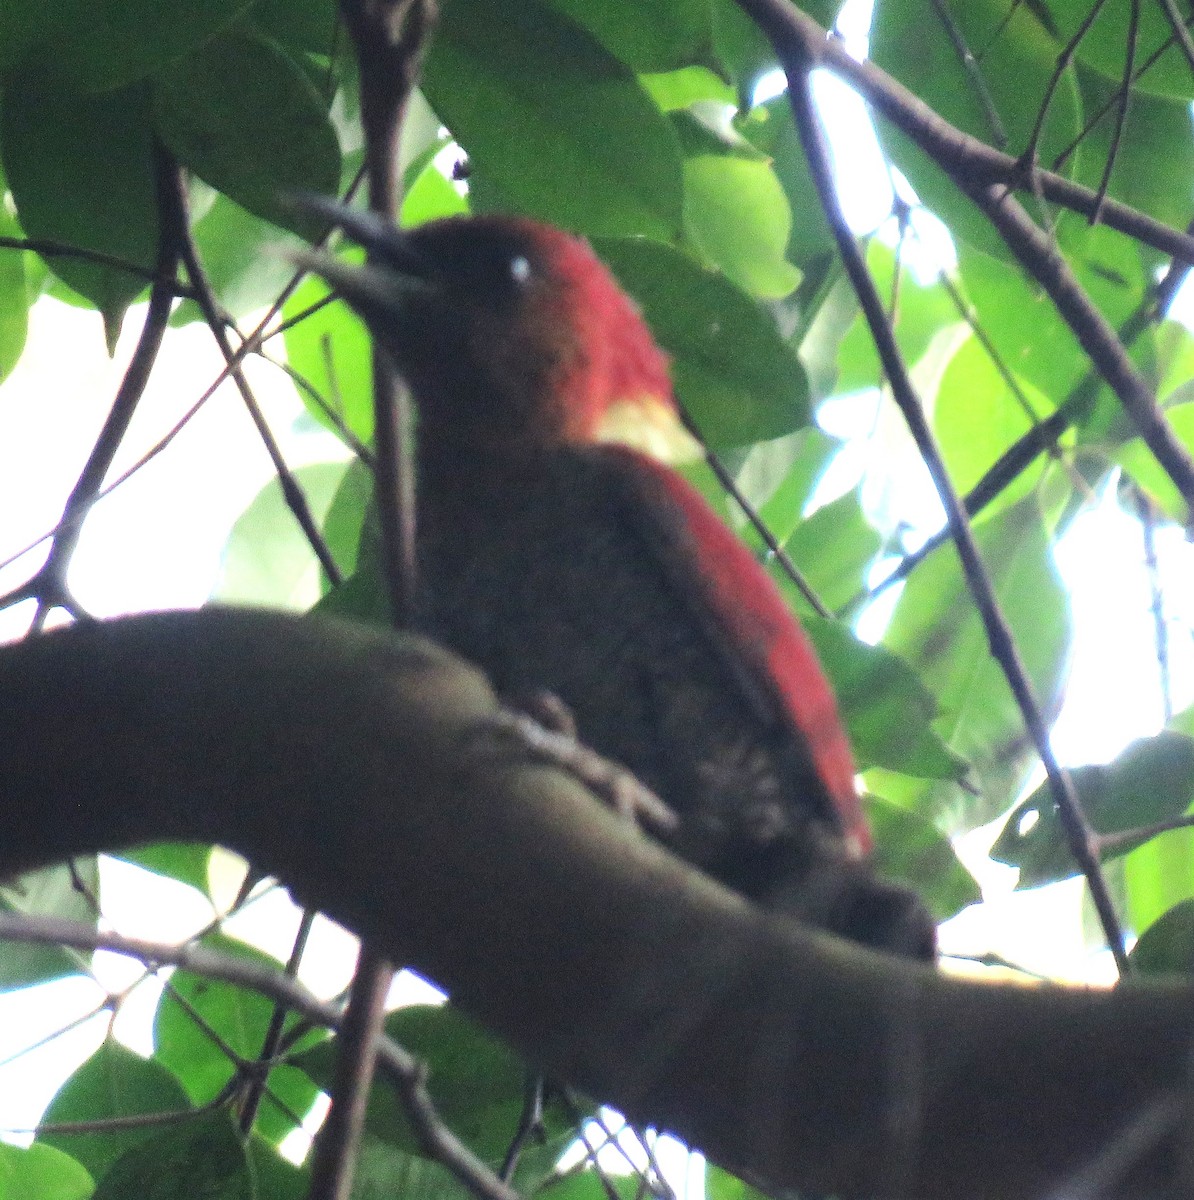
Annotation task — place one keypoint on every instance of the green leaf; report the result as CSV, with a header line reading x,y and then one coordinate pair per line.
x,y
771,128
203,1157
1104,45
591,150
833,549
921,312
111,43
330,348
1148,474
1023,325
1151,781
80,169
977,417
40,1172
936,629
646,37
730,367
346,515
267,559
14,297
243,257
234,1014
886,709
1154,158
311,26
52,892
675,90
737,215
911,850
244,117
478,1085
113,1082
1159,875
276,1178
185,861
430,197
1166,947
1016,57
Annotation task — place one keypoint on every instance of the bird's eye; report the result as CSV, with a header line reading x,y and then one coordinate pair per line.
x,y
520,268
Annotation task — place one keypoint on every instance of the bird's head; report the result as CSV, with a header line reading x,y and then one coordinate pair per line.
x,y
510,333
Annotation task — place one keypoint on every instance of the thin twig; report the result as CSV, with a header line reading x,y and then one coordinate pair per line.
x,y
51,249
1064,59
389,37
1121,109
408,1073
1048,267
973,72
251,1101
960,155
1148,529
752,514
49,586
292,493
1180,32
797,64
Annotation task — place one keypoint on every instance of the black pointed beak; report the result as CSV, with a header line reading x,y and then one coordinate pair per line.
x,y
394,267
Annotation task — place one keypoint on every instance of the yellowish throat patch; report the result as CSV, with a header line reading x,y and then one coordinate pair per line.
x,y
651,426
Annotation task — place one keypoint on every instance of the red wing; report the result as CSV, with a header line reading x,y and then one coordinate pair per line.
x,y
761,629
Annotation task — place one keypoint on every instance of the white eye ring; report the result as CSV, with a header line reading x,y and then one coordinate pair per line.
x,y
520,268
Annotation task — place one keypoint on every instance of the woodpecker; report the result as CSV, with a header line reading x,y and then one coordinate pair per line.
x,y
564,564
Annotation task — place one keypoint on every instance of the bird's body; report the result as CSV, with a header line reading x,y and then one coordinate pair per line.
x,y
509,567
591,572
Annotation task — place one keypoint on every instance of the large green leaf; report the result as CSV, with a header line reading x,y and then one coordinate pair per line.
x,y
113,1082
1151,781
267,559
886,709
1140,463
1166,947
522,86
203,1157
239,1018
478,1085
241,254
1105,44
246,118
913,851
834,549
937,630
658,36
330,348
40,1172
921,310
1026,330
1015,56
110,43
736,213
730,367
51,892
977,417
80,169
1154,157
14,297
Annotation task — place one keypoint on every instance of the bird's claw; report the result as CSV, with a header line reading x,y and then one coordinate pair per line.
x,y
618,788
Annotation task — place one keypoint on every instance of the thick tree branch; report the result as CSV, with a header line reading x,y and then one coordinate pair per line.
x,y
346,760
962,157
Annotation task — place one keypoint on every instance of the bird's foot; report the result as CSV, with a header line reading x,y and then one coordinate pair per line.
x,y
542,726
